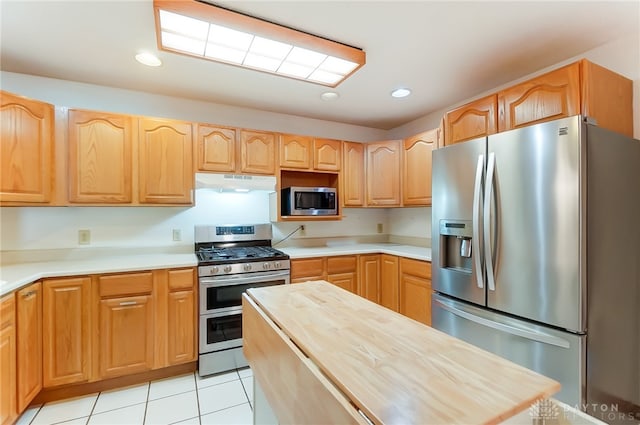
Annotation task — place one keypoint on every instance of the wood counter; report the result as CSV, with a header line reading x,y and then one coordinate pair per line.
x,y
322,354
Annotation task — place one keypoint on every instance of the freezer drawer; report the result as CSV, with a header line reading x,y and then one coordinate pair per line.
x,y
558,355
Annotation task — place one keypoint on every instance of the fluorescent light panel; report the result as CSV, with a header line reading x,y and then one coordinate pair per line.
x,y
209,32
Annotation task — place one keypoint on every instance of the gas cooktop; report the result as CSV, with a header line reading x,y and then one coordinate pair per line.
x,y
245,254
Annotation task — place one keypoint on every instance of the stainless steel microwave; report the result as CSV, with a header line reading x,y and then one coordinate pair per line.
x,y
309,201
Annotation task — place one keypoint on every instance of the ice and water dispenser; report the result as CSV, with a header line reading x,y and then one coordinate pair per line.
x,y
455,245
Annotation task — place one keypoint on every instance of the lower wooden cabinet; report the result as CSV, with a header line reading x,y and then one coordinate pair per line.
x,y
342,271
369,277
389,281
66,330
8,402
29,343
306,269
415,290
182,312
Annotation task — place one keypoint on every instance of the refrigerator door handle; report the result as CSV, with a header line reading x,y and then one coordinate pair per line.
x,y
475,240
488,252
513,330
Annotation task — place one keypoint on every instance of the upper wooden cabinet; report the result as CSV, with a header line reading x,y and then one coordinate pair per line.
x,y
353,177
383,173
26,155
416,170
8,404
296,151
216,149
165,162
66,339
258,152
547,97
100,148
327,154
29,343
475,119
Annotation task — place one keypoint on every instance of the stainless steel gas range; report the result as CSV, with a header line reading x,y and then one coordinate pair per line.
x,y
231,259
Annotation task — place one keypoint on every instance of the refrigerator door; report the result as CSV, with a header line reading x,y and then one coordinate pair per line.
x,y
457,185
556,354
534,193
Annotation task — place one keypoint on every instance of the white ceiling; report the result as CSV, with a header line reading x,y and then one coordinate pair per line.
x,y
444,51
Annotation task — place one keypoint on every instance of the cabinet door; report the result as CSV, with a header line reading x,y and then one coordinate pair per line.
x,y
389,281
216,149
26,153
165,162
181,313
547,97
415,290
475,119
369,277
8,405
383,173
417,168
305,269
353,176
295,151
327,154
66,331
258,152
126,335
347,281
29,340
99,157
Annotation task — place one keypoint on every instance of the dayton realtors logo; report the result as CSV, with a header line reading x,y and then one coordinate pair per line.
x,y
544,409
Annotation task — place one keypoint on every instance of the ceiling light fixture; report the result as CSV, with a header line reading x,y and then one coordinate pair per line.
x,y
329,96
400,93
148,59
210,32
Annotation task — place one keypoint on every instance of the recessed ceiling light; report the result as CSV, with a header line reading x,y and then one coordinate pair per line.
x,y
329,96
400,93
148,59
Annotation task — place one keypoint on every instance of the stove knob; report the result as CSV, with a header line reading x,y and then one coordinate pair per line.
x,y
227,269
266,266
215,269
247,267
276,265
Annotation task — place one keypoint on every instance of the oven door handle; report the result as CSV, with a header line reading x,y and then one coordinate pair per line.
x,y
243,279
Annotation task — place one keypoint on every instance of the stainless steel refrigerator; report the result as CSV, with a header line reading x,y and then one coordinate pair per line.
x,y
536,256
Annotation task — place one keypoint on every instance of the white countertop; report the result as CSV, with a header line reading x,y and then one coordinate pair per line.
x,y
71,263
409,251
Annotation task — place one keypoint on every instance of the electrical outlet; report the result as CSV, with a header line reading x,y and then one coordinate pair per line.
x,y
177,235
380,228
84,237
303,230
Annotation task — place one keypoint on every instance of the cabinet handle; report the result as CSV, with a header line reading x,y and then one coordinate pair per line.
x,y
128,303
28,294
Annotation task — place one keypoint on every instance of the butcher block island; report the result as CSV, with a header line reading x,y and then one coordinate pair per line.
x,y
321,354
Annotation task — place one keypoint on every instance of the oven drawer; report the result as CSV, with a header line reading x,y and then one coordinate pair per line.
x,y
125,284
220,331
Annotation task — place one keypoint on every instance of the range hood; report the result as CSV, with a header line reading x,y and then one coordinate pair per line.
x,y
235,182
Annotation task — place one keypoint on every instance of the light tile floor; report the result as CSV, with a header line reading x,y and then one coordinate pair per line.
x,y
224,398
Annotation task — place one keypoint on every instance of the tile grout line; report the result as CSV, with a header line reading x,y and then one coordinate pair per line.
x,y
146,403
195,381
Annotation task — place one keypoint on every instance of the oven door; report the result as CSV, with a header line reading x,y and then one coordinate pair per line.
x,y
220,331
221,294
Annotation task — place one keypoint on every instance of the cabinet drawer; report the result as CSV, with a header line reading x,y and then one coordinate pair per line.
x,y
125,284
307,267
416,268
343,264
180,279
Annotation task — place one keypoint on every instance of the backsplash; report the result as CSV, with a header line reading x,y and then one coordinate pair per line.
x,y
29,228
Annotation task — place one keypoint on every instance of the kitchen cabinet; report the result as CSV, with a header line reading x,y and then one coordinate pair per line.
x,y
369,277
182,310
216,148
66,339
100,149
389,281
475,119
415,289
8,402
126,326
29,343
353,175
305,269
257,152
327,154
26,153
416,170
579,88
342,271
383,163
296,151
165,162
